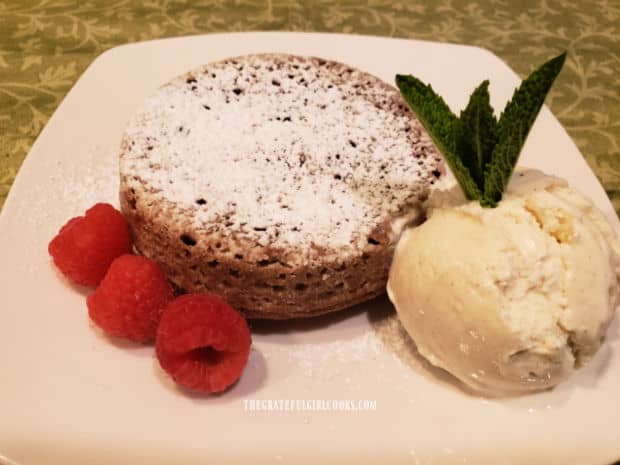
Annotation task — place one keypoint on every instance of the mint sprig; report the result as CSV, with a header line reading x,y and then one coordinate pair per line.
x,y
442,125
481,151
478,132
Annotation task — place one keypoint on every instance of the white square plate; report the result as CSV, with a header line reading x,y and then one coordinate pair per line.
x,y
69,395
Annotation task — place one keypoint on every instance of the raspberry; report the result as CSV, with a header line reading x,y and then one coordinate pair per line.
x,y
130,299
202,342
86,245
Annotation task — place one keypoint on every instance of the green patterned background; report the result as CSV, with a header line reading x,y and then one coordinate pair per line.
x,y
46,45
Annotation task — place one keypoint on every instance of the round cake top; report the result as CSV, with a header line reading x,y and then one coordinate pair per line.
x,y
282,150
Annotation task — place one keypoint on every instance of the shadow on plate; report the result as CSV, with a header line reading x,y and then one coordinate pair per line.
x,y
317,323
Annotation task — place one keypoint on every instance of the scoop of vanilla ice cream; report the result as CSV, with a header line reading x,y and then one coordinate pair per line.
x,y
509,299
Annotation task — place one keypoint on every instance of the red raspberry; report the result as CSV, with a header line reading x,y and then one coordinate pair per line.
x,y
202,342
130,299
84,247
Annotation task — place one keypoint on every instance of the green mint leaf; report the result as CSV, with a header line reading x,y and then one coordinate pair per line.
x,y
513,127
443,127
477,133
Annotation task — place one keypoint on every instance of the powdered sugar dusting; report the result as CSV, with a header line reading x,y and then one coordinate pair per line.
x,y
284,150
95,180
77,186
325,362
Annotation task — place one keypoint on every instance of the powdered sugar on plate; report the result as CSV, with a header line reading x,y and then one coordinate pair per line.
x,y
76,185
